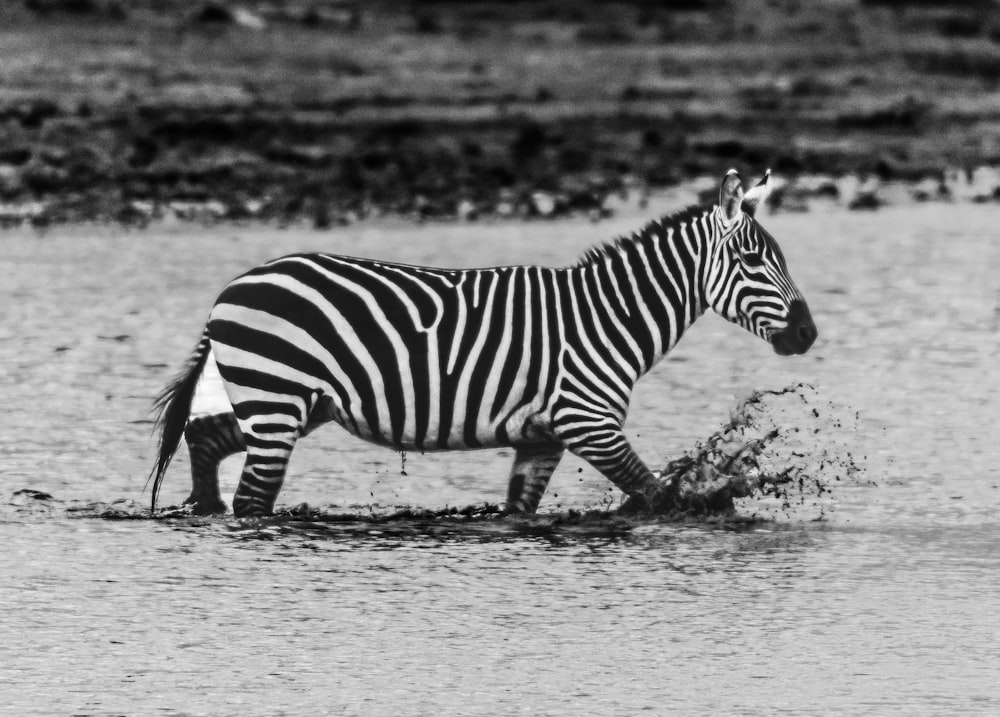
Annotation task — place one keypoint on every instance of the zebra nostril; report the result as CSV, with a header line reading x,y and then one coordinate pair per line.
x,y
801,328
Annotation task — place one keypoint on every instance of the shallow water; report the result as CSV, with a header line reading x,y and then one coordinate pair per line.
x,y
887,604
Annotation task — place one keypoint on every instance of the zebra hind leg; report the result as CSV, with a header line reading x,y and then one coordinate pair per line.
x,y
529,477
210,439
269,447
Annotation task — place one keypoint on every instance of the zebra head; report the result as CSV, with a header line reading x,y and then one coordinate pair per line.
x,y
748,281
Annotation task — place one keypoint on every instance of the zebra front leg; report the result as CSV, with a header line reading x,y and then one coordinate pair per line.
x,y
603,445
268,448
210,439
529,476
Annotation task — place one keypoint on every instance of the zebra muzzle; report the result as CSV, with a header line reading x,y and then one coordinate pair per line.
x,y
799,333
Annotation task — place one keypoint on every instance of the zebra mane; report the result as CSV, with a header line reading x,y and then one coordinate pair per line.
x,y
650,232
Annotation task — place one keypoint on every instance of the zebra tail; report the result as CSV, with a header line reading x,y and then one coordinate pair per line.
x,y
172,407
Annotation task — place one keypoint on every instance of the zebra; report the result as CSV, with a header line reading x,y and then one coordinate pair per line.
x,y
542,360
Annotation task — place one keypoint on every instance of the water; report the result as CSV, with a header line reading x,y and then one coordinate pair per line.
x,y
878,597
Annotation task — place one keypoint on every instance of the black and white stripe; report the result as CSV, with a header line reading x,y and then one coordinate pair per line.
x,y
417,358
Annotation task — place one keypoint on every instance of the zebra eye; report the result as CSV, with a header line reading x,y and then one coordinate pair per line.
x,y
753,258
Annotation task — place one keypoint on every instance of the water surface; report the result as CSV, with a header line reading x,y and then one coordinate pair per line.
x,y
878,597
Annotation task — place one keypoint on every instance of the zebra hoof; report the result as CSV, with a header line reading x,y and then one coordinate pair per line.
x,y
206,506
250,509
663,502
634,505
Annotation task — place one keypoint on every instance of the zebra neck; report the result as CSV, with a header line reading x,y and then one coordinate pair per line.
x,y
651,286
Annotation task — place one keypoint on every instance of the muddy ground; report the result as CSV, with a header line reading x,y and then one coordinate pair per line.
x,y
329,111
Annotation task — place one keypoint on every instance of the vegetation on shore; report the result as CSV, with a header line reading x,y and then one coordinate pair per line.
x,y
327,111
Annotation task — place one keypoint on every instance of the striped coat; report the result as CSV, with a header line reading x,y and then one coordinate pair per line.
x,y
419,358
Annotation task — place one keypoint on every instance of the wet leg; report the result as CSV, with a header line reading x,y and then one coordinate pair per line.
x,y
210,439
603,444
269,447
529,476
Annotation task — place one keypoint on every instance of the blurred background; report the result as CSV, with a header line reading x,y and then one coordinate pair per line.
x,y
330,111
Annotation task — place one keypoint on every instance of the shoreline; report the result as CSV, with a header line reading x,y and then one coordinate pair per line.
x,y
806,193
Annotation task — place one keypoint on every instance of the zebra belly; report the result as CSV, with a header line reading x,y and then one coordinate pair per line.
x,y
376,414
525,426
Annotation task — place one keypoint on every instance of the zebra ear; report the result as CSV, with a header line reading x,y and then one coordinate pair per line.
x,y
731,195
758,194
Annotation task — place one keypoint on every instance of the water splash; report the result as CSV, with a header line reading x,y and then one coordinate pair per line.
x,y
781,451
